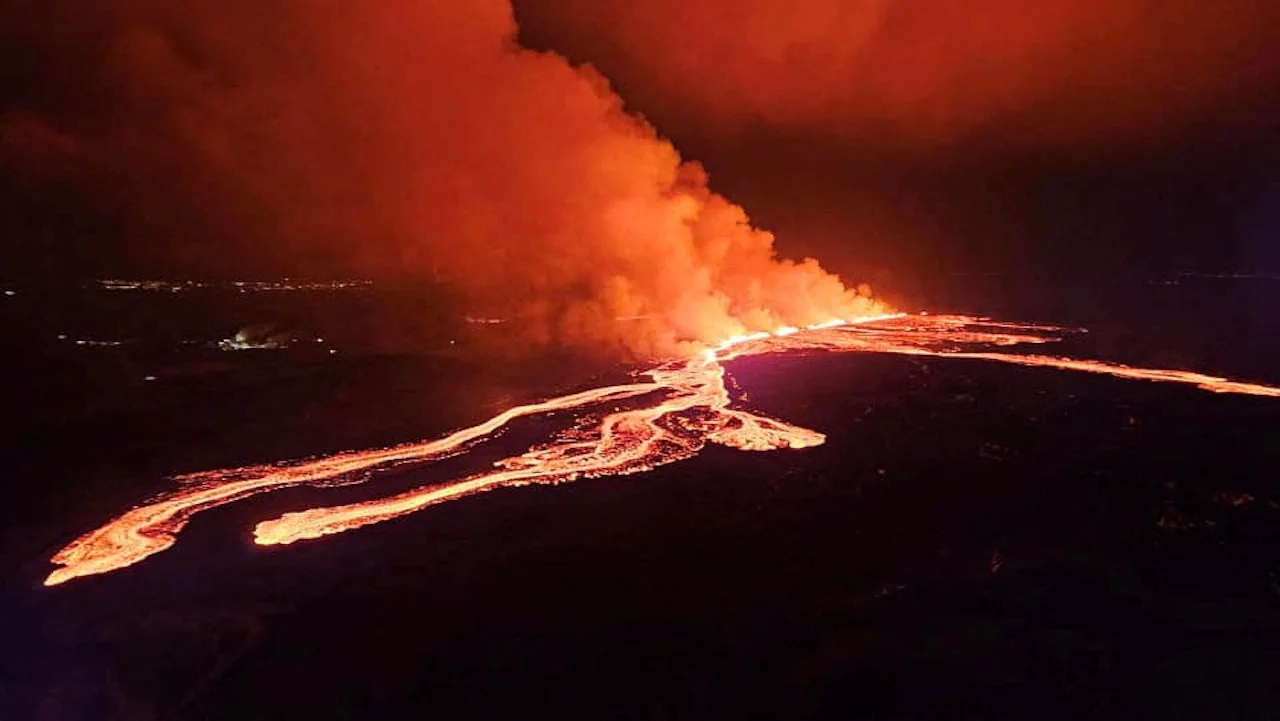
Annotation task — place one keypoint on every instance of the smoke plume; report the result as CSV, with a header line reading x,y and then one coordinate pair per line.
x,y
405,138
1018,74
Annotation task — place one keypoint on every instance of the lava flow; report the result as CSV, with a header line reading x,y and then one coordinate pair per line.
x,y
671,417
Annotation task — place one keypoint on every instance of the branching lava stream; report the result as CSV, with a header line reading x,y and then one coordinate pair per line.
x,y
690,407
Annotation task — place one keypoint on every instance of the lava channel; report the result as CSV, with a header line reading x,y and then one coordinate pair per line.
x,y
690,408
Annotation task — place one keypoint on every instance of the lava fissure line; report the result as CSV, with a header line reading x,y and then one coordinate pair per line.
x,y
624,441
152,528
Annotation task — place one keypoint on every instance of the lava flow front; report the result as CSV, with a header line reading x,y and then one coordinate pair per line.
x,y
666,419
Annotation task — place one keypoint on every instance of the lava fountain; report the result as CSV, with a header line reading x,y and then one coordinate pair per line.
x,y
669,417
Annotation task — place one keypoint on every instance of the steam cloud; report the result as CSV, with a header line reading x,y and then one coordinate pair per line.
x,y
411,138
1029,74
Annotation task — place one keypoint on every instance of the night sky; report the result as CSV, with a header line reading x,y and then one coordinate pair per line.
x,y
547,196
908,140
942,136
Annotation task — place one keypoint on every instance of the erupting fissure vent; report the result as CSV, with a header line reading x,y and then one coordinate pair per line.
x,y
690,407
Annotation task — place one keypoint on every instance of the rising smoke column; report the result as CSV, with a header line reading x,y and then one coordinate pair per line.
x,y
1021,75
415,138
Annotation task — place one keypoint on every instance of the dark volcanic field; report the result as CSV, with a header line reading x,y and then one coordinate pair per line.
x,y
974,541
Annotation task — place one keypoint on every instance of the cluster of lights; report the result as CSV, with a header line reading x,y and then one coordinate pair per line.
x,y
244,286
92,343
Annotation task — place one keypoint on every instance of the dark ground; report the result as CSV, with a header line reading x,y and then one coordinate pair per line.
x,y
973,542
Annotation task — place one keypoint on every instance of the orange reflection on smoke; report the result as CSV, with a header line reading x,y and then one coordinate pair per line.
x,y
671,417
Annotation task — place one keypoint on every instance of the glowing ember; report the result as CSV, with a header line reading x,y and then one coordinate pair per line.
x,y
688,406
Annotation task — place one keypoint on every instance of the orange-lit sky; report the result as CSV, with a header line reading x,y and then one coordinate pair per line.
x,y
891,139
928,136
925,74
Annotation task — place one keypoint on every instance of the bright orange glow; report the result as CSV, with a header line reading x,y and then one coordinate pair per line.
x,y
687,406
150,529
1080,73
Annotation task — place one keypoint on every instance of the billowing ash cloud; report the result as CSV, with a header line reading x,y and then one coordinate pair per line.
x,y
1020,73
408,138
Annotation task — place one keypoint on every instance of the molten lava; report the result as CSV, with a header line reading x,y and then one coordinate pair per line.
x,y
671,417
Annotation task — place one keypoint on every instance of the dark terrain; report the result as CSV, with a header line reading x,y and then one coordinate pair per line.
x,y
974,541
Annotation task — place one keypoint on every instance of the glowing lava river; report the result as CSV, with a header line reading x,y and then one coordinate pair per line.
x,y
621,429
